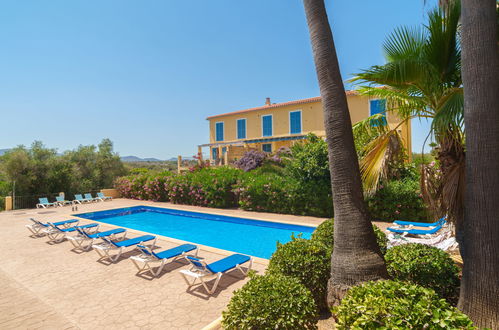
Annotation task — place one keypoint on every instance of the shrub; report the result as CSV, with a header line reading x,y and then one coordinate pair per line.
x,y
308,166
424,265
324,233
132,186
251,160
397,305
398,200
306,260
266,192
154,187
272,301
211,187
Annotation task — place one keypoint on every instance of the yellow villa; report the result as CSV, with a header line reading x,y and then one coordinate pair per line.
x,y
275,125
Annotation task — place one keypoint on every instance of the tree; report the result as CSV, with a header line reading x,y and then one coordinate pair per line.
x,y
422,79
479,295
356,256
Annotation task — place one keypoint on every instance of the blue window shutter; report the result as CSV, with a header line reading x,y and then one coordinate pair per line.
x,y
267,125
241,128
295,122
219,131
378,107
214,153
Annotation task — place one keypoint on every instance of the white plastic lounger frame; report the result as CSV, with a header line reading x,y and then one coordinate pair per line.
x,y
400,239
79,240
204,275
57,235
104,248
37,227
146,260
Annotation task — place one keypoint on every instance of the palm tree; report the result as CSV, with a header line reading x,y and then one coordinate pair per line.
x,y
356,256
422,79
480,282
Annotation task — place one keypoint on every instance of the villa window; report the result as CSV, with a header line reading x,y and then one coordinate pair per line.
x,y
295,122
377,107
267,125
267,147
241,128
219,131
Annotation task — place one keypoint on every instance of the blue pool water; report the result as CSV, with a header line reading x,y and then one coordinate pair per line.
x,y
252,237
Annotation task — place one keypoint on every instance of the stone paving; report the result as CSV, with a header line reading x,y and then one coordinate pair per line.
x,y
50,286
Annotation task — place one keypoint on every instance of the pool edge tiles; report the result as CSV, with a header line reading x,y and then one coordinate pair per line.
x,y
248,236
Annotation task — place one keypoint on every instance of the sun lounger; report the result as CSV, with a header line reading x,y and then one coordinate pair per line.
x,y
445,241
57,234
79,240
148,257
420,224
395,239
37,226
203,271
89,197
61,201
108,245
44,203
79,199
103,197
412,231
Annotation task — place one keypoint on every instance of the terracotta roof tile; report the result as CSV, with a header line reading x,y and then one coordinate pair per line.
x,y
276,105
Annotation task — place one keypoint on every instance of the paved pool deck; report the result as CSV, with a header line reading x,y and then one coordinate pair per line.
x,y
50,286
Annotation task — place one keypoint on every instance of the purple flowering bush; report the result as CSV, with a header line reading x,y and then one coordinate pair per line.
x,y
251,160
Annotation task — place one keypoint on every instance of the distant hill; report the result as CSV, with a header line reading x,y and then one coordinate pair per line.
x,y
138,159
2,151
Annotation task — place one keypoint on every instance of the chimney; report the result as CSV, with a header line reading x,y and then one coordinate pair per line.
x,y
267,101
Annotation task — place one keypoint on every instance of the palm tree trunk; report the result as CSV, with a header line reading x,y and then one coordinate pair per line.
x,y
480,70
356,256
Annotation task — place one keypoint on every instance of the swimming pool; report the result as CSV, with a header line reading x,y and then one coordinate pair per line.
x,y
253,237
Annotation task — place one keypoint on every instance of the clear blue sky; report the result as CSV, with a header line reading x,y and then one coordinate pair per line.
x,y
146,74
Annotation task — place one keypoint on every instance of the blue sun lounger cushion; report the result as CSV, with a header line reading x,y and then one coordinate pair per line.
x,y
441,221
202,271
108,245
83,237
148,256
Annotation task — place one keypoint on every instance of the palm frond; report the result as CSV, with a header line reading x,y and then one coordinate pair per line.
x,y
379,153
450,114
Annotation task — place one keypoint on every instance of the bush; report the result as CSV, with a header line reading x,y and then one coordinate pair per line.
x,y
266,192
324,233
306,260
212,187
251,160
424,265
398,200
132,186
272,301
397,305
308,166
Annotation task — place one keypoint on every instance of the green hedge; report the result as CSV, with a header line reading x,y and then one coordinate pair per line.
x,y
397,305
271,301
324,233
398,200
424,265
297,187
306,260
